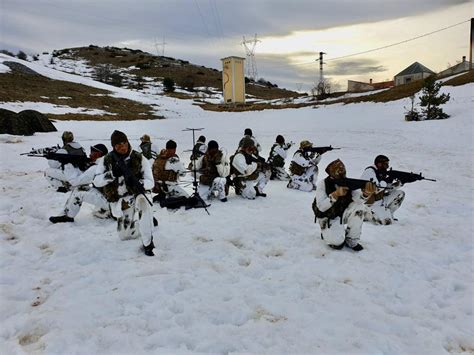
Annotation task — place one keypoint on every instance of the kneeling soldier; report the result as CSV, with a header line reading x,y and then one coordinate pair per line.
x,y
335,206
249,180
214,168
124,174
166,170
277,157
304,168
83,192
384,203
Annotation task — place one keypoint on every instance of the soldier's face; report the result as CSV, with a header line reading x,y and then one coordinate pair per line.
x,y
94,155
121,148
383,165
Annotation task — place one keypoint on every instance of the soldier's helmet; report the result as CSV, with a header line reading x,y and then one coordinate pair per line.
x,y
145,138
67,137
305,144
247,142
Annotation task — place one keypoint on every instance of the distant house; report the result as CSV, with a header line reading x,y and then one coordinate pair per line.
x,y
414,72
455,69
359,86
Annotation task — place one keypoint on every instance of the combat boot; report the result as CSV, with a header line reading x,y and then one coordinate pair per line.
x,y
358,247
261,194
149,249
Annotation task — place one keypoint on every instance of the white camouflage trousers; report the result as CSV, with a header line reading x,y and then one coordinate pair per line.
x,y
79,196
134,218
335,232
59,177
216,189
306,181
381,212
250,185
172,189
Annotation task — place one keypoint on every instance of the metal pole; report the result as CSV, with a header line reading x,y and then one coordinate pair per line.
x,y
471,43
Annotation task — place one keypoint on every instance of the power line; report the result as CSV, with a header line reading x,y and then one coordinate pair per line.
x,y
374,49
401,42
202,19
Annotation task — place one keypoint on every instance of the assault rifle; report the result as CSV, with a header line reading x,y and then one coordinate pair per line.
x,y
354,184
319,150
42,151
130,179
250,158
81,162
405,177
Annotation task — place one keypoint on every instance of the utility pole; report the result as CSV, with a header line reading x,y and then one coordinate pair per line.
x,y
471,44
249,46
321,62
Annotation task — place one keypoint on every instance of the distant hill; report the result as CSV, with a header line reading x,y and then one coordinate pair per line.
x,y
134,65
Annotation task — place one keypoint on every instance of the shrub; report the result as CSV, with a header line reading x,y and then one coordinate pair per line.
x,y
168,84
4,51
22,55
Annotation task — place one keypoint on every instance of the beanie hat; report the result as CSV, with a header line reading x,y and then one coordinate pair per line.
x,y
280,139
118,137
171,144
212,145
101,148
248,132
145,138
202,139
381,159
305,144
336,169
67,137
247,142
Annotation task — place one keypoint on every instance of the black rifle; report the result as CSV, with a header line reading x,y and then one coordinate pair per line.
x,y
250,158
405,177
81,162
353,184
320,150
130,179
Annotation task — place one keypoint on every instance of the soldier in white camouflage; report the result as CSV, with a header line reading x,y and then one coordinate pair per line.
x,y
248,178
83,191
214,168
167,169
276,159
126,178
304,168
59,175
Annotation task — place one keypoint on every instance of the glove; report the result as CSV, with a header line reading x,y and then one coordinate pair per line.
x,y
369,189
340,191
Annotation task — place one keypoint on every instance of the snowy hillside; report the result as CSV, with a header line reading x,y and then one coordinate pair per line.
x,y
254,276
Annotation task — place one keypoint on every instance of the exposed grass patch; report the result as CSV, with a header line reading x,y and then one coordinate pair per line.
x,y
16,86
461,79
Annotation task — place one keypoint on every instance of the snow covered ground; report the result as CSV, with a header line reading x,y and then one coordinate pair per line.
x,y
253,277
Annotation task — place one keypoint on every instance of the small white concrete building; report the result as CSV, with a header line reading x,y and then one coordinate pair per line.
x,y
414,72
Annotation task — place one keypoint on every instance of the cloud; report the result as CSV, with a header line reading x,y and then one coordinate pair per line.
x,y
354,67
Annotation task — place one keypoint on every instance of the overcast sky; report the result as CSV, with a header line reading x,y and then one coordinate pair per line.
x,y
291,33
